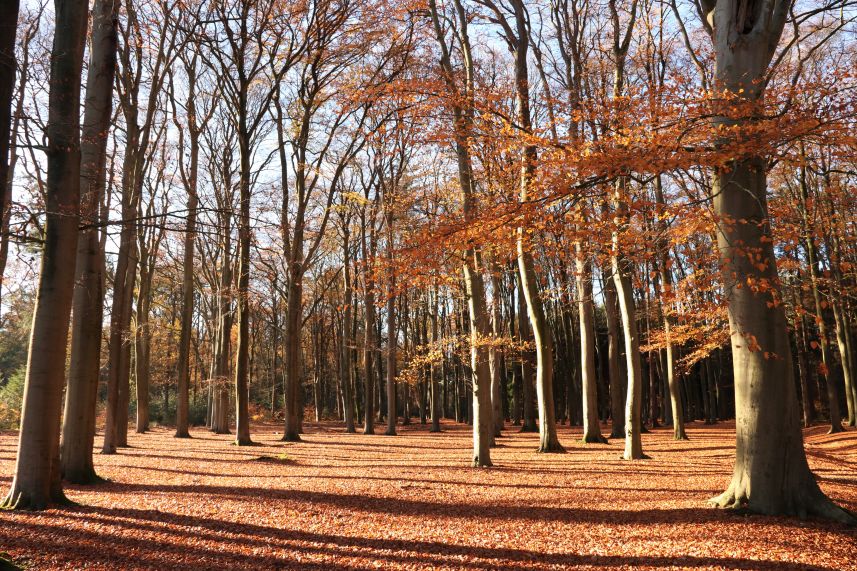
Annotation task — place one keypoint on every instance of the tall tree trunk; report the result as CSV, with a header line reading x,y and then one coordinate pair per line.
x,y
369,339
242,360
771,474
78,429
120,311
586,311
183,365
392,334
37,468
527,370
823,337
436,403
495,353
347,372
8,32
142,347
618,384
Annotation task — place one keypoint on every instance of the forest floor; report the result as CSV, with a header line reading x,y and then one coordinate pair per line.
x,y
342,501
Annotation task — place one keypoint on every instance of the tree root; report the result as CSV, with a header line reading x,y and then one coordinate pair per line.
x,y
641,457
479,463
597,439
803,505
836,429
551,447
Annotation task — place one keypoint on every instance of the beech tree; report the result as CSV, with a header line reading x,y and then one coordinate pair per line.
x,y
37,468
771,473
78,428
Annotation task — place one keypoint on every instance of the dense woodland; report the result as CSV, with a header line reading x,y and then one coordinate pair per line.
x,y
516,214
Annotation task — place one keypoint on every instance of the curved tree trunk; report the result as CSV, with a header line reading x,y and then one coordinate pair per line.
x,y
37,469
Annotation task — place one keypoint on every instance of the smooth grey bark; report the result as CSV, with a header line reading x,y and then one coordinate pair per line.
x,y
392,332
665,293
78,428
823,336
37,481
368,330
436,369
495,353
618,385
462,108
771,474
347,370
189,177
586,318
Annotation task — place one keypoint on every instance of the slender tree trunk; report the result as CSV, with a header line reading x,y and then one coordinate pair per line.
x,y
812,255
242,360
392,334
183,365
436,404
495,353
586,311
628,314
8,29
37,468
142,348
369,342
120,313
347,372
617,383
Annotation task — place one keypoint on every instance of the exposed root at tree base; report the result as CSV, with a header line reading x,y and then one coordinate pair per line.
x,y
802,503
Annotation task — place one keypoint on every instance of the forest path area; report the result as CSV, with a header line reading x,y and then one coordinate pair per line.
x,y
349,501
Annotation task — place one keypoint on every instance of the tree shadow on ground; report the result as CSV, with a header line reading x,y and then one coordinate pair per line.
x,y
398,506
175,540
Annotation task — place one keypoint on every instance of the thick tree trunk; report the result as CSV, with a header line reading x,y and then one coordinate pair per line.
x,y
633,400
78,429
37,469
771,475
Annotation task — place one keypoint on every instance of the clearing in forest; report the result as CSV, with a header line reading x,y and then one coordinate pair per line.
x,y
346,501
